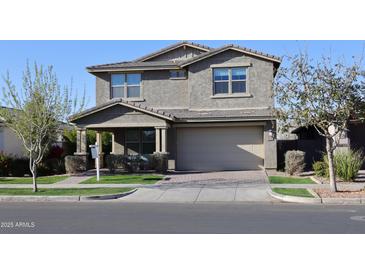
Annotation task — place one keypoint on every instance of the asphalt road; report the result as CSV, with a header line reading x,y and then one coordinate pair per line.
x,y
117,217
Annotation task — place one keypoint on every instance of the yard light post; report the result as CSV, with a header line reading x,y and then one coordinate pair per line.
x,y
95,155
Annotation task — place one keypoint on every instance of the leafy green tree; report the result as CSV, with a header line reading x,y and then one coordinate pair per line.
x,y
325,95
37,111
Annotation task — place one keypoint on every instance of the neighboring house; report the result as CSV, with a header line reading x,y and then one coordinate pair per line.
x,y
208,109
11,144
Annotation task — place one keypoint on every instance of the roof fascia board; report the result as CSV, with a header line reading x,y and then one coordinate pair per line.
x,y
131,69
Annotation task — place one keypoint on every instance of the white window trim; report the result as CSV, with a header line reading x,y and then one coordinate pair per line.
x,y
125,86
230,94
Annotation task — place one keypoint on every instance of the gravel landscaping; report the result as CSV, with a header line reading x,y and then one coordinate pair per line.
x,y
344,193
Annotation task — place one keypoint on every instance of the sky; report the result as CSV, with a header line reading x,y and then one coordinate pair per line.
x,y
69,58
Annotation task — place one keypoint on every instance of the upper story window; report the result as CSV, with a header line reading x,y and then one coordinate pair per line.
x,y
126,85
178,74
229,80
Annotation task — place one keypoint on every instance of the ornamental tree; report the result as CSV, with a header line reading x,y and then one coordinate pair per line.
x,y
324,94
38,111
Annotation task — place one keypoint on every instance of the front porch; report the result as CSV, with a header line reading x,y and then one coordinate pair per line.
x,y
126,141
135,129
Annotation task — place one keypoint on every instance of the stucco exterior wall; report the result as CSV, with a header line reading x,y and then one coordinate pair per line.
x,y
118,141
195,92
259,83
10,143
270,145
162,92
102,86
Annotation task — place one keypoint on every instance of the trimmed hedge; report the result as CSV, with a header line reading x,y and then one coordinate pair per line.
x,y
75,164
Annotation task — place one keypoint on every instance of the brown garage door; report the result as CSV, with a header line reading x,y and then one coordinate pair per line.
x,y
220,148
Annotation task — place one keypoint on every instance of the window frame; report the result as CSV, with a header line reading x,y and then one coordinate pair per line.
x,y
125,85
147,142
230,81
178,77
140,141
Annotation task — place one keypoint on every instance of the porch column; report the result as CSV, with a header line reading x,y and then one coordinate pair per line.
x,y
99,140
81,141
161,153
78,141
81,148
113,145
163,140
158,140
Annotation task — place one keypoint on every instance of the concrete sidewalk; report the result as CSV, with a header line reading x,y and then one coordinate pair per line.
x,y
235,192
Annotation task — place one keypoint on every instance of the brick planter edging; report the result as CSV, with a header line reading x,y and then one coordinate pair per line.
x,y
75,198
317,200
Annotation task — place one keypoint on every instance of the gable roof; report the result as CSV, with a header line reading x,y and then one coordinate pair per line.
x,y
172,47
120,101
247,51
143,63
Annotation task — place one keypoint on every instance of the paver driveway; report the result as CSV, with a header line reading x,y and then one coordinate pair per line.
x,y
228,186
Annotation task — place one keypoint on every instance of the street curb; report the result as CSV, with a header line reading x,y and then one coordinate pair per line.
x,y
314,179
75,198
317,200
107,196
294,199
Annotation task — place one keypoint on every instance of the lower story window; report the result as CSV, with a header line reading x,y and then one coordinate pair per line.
x,y
140,141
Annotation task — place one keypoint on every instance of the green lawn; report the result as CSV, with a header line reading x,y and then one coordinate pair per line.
x,y
28,180
299,192
61,191
289,180
126,179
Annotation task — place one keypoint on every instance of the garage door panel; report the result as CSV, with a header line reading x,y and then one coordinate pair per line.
x,y
228,148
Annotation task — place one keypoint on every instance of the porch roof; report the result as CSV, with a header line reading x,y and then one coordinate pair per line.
x,y
120,101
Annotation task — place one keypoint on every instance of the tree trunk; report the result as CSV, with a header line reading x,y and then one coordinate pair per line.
x,y
33,170
329,148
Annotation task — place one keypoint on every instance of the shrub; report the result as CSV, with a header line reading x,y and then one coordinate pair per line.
x,y
159,162
55,152
5,164
75,164
294,161
320,168
130,163
348,163
20,167
43,169
56,165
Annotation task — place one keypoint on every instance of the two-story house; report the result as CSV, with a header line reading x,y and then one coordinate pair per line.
x,y
208,109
